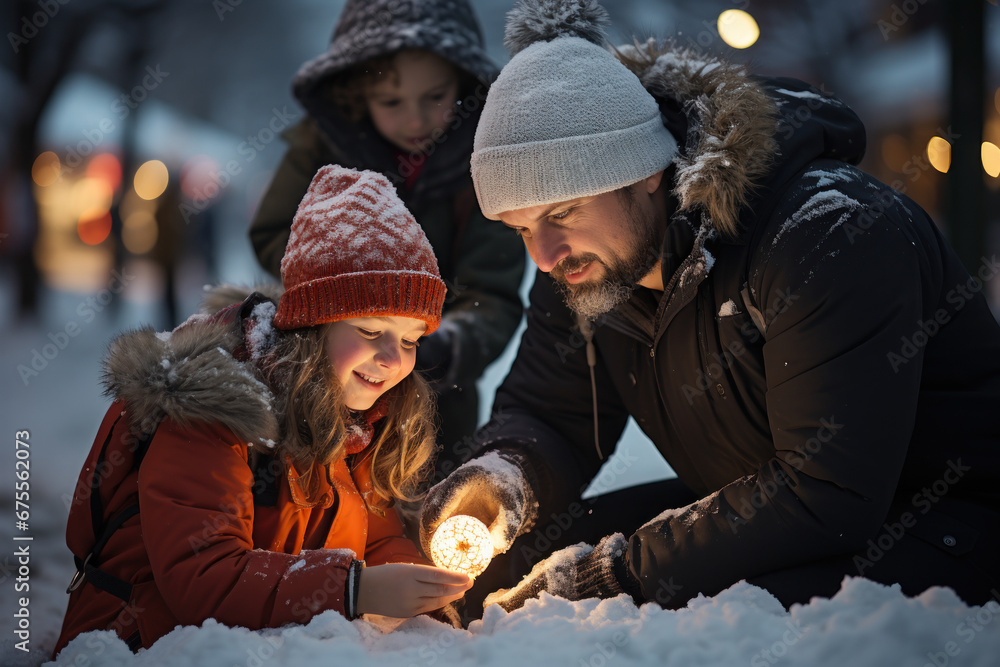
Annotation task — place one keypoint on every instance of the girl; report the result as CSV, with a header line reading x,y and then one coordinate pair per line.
x,y
267,444
399,91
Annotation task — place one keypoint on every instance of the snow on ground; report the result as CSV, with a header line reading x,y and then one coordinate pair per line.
x,y
865,624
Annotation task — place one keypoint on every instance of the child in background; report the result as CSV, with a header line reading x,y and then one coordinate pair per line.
x,y
399,91
273,439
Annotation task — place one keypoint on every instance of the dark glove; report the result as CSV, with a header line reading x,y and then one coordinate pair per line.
x,y
492,488
574,573
436,357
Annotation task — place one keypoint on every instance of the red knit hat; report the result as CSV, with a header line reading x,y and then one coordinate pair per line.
x,y
355,251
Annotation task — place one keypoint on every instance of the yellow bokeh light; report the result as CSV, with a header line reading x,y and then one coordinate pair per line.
x,y
91,198
139,232
991,159
151,179
939,154
738,29
45,171
462,544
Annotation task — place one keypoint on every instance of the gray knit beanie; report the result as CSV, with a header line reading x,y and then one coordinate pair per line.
x,y
564,119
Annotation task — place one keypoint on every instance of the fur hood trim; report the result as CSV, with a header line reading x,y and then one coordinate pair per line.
x,y
190,375
731,123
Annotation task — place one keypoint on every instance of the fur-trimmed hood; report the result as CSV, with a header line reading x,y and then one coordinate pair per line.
x,y
737,131
202,371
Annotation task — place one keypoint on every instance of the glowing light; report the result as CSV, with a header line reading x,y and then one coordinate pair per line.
x,y
91,198
139,232
737,28
45,170
939,154
462,543
151,179
991,159
106,167
94,230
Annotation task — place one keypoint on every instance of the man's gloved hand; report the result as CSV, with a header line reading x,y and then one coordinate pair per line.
x,y
492,488
574,573
436,357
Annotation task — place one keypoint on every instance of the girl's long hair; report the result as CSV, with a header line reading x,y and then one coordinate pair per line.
x,y
312,418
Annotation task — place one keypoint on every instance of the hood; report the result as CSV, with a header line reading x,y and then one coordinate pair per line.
x,y
368,29
739,135
202,371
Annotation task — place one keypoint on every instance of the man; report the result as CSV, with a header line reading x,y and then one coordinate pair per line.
x,y
796,338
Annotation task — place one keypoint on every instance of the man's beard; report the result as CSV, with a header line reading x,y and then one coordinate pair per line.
x,y
622,273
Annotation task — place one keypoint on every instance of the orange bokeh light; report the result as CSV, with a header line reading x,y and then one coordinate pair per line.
x,y
94,230
46,169
107,168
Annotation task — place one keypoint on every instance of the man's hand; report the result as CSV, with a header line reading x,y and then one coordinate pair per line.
x,y
574,573
402,590
491,488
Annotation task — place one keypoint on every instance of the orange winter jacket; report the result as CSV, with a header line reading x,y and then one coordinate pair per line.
x,y
200,547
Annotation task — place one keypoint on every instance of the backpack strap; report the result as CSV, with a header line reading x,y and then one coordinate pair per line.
x,y
86,568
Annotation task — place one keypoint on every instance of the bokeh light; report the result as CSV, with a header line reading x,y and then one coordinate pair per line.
x,y
46,169
94,230
139,232
939,154
91,198
462,544
151,179
991,158
107,168
738,29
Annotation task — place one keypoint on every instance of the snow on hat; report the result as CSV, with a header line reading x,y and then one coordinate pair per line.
x,y
355,251
564,119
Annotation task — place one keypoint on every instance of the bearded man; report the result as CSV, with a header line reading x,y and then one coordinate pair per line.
x,y
796,338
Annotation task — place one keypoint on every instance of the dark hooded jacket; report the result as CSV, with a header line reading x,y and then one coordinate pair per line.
x,y
828,367
482,262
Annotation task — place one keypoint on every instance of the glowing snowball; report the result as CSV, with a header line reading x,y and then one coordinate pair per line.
x,y
462,543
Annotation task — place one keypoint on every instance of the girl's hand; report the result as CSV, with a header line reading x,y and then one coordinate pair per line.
x,y
402,590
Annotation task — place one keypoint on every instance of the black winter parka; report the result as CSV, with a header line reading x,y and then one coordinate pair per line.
x,y
826,368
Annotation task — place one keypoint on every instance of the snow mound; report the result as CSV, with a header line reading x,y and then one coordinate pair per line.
x,y
864,624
